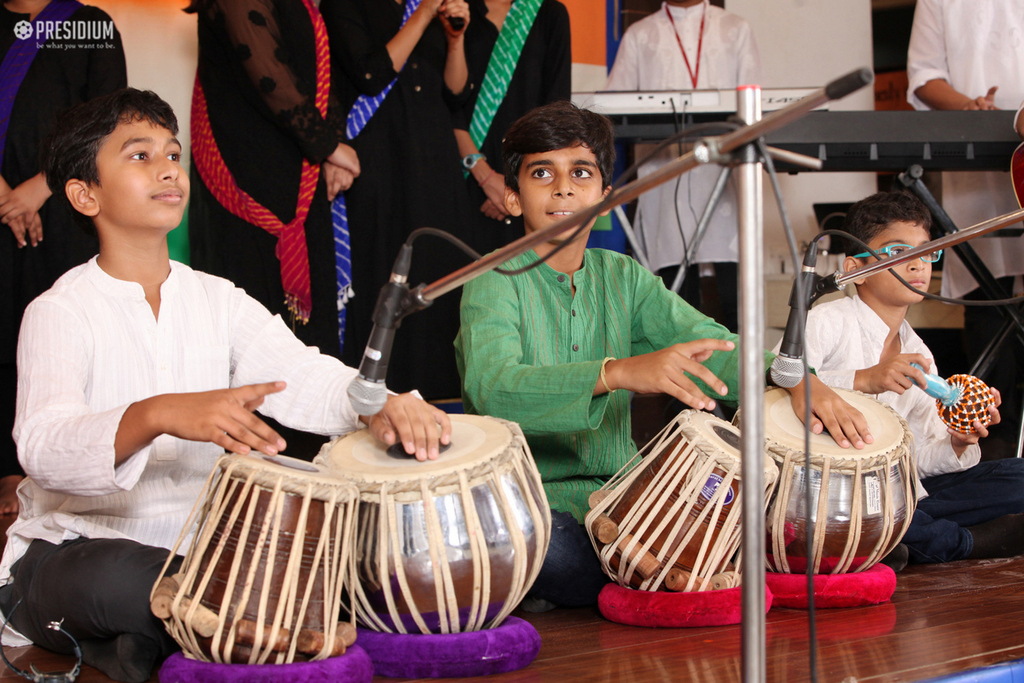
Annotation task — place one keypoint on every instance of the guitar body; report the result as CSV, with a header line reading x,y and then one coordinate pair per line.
x,y
1017,173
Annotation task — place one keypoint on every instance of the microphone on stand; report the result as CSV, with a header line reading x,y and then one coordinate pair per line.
x,y
367,392
788,369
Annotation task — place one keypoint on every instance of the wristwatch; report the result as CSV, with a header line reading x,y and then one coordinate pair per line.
x,y
469,161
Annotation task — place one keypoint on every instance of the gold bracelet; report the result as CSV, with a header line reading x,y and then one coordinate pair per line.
x,y
603,380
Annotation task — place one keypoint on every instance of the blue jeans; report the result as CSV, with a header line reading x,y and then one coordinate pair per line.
x,y
957,500
571,575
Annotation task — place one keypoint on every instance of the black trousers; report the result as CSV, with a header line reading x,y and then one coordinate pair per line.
x,y
100,589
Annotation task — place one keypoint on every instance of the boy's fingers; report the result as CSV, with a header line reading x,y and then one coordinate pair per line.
x,y
703,373
446,425
682,388
252,392
259,430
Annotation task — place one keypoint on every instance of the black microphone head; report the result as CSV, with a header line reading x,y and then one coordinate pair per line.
x,y
851,82
457,23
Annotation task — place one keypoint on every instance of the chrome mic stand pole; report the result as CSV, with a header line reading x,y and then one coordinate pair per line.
x,y
751,305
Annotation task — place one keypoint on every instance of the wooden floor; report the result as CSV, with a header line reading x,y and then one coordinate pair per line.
x,y
943,619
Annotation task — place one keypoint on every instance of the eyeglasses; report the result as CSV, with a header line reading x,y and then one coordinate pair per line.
x,y
897,249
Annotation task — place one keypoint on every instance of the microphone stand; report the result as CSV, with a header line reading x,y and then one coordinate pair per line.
x,y
729,149
825,284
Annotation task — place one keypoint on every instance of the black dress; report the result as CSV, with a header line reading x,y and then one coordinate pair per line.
x,y
411,177
257,65
57,79
543,74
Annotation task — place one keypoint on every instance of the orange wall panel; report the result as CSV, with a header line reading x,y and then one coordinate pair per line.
x,y
587,18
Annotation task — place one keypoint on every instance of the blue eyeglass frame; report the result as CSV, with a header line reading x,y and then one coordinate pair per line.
x,y
887,250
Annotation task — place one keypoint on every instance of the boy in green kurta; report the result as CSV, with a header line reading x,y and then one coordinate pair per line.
x,y
551,348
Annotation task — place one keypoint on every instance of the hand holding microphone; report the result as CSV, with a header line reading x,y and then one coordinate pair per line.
x,y
455,16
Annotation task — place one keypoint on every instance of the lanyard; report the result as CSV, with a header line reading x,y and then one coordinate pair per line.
x,y
700,42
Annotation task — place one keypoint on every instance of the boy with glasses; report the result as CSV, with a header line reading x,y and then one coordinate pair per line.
x,y
971,509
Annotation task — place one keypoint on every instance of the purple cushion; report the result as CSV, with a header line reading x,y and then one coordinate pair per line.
x,y
352,667
868,587
509,647
673,610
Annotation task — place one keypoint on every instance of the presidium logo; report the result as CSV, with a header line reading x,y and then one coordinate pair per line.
x,y
43,31
22,30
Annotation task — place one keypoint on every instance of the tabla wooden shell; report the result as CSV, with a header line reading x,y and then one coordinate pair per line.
x,y
448,545
676,509
267,559
871,493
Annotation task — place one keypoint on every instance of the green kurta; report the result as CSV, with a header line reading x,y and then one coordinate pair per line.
x,y
530,351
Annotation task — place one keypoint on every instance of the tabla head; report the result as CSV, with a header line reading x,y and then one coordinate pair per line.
x,y
785,431
362,458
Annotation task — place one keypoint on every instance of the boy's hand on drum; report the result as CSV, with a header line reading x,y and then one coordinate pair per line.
x,y
666,372
960,442
223,416
894,374
414,422
829,411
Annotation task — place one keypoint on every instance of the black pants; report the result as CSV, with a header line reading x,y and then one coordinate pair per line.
x,y
571,575
100,589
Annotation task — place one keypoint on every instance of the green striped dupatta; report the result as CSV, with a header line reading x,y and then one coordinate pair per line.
x,y
501,66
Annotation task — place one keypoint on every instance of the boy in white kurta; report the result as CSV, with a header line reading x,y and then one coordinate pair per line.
x,y
971,509
135,374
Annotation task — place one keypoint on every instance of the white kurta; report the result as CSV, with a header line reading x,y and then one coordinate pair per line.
x,y
649,59
90,347
844,336
973,45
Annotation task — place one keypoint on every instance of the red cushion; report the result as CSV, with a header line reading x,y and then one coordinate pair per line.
x,y
673,610
868,587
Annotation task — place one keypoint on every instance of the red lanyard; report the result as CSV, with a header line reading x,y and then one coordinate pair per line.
x,y
700,43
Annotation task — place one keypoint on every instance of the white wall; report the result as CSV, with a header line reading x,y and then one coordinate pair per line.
x,y
807,43
161,49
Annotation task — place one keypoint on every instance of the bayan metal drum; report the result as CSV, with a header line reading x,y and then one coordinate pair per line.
x,y
670,519
449,545
263,578
863,500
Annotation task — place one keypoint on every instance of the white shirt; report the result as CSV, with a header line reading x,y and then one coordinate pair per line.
x,y
90,347
649,59
844,336
973,45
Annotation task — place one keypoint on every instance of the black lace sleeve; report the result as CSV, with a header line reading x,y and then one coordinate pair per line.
x,y
271,58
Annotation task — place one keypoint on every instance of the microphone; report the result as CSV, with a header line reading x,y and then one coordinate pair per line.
x,y
456,23
367,392
788,369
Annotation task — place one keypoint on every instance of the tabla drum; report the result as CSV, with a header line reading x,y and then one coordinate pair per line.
x,y
670,519
862,500
268,552
448,545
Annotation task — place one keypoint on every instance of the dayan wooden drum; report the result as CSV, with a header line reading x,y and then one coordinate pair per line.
x,y
448,545
670,519
863,500
263,578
